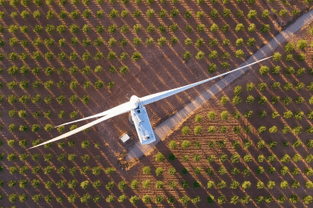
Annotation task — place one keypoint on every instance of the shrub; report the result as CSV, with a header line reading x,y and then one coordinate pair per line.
x,y
302,44
299,115
72,198
159,157
309,184
197,130
146,199
234,184
84,184
271,184
272,144
236,100
146,170
251,42
221,200
211,115
284,170
159,184
174,12
239,13
250,99
265,28
97,184
85,198
237,90
273,129
235,158
277,56
262,100
172,184
225,55
288,114
225,28
247,158
264,70
184,200
221,184
172,171
136,56
239,27
222,157
261,158
213,54
250,86
200,28
297,130
213,42
13,197
134,184
252,14
185,130
237,129
260,170
224,115
209,171
214,27
223,129
214,13
109,185
308,199
283,12
309,158
200,55
196,157
239,42
309,144
173,144
158,199
246,185
289,47
300,100
187,55
186,144
211,129
301,57
294,198
226,42
222,170
210,199
295,171
150,13
309,171
195,200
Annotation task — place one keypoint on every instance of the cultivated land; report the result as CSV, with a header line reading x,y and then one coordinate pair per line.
x,y
253,152
65,60
167,126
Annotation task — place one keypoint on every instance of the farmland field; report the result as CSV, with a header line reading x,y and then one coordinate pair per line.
x,y
250,145
63,60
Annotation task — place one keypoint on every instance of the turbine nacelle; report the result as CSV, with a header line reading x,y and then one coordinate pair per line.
x,y
135,100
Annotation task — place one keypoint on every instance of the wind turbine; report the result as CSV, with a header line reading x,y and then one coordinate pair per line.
x,y
138,111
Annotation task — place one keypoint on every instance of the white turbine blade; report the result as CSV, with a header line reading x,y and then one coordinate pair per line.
x,y
162,95
122,106
112,114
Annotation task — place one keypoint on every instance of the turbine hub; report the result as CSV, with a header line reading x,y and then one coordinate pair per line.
x,y
135,100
